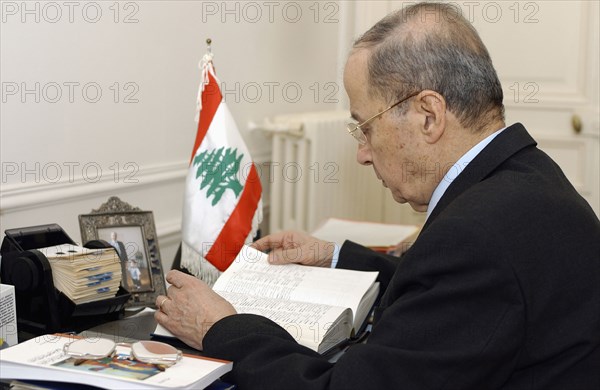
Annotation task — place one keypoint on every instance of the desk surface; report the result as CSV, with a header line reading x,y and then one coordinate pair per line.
x,y
136,325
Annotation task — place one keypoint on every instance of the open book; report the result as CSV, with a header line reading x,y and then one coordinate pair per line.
x,y
319,307
42,358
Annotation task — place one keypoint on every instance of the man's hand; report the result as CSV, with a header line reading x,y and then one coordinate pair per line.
x,y
296,247
190,308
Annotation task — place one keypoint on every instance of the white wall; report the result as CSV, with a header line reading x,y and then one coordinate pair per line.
x,y
273,58
65,149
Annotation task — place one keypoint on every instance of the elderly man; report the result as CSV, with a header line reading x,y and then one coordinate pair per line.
x,y
501,288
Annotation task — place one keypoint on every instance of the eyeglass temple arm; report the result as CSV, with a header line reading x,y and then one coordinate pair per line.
x,y
386,110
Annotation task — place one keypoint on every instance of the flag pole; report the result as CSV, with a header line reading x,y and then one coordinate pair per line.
x,y
204,65
209,53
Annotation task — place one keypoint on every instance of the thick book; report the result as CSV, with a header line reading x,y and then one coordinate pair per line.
x,y
319,307
43,358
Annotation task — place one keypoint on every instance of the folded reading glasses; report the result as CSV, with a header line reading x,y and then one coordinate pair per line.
x,y
145,351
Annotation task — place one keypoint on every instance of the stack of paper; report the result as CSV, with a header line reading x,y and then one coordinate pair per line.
x,y
84,275
370,234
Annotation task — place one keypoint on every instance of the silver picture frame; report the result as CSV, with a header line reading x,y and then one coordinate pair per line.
x,y
132,233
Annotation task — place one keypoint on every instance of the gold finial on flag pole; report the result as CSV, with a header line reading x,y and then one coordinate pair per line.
x,y
208,42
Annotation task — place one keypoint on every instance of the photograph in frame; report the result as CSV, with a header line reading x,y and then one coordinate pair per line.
x,y
132,233
128,241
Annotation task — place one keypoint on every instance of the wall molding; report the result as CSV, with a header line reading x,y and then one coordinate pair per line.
x,y
580,149
25,196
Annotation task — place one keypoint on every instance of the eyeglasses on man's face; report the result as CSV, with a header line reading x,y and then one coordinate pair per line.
x,y
145,351
355,129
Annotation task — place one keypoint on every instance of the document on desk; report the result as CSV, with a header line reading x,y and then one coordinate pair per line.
x,y
43,358
370,234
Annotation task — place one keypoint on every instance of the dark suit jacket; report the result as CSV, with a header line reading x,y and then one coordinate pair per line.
x,y
121,251
500,291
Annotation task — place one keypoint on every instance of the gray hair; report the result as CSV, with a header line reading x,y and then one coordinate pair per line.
x,y
432,46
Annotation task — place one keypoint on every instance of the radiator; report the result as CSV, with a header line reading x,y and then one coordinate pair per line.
x,y
315,175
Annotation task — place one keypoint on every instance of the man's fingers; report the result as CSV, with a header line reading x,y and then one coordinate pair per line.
x,y
160,317
261,245
286,256
275,258
179,279
269,242
160,302
175,278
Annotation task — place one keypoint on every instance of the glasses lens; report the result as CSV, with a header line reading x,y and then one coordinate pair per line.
x,y
357,133
155,352
90,348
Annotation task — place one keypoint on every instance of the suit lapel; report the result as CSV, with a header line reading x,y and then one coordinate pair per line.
x,y
506,144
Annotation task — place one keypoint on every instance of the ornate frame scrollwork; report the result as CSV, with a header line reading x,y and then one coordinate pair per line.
x,y
138,250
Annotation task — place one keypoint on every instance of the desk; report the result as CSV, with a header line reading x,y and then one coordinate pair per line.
x,y
141,324
134,326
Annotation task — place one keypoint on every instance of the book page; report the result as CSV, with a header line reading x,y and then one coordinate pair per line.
x,y
307,322
250,274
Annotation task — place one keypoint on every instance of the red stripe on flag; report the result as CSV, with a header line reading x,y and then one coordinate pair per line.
x,y
233,235
211,98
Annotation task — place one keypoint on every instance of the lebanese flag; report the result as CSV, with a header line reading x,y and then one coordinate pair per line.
x,y
222,205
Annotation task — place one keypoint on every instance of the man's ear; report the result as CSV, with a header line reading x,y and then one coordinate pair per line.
x,y
432,106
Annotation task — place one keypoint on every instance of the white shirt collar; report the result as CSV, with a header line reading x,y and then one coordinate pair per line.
x,y
456,170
